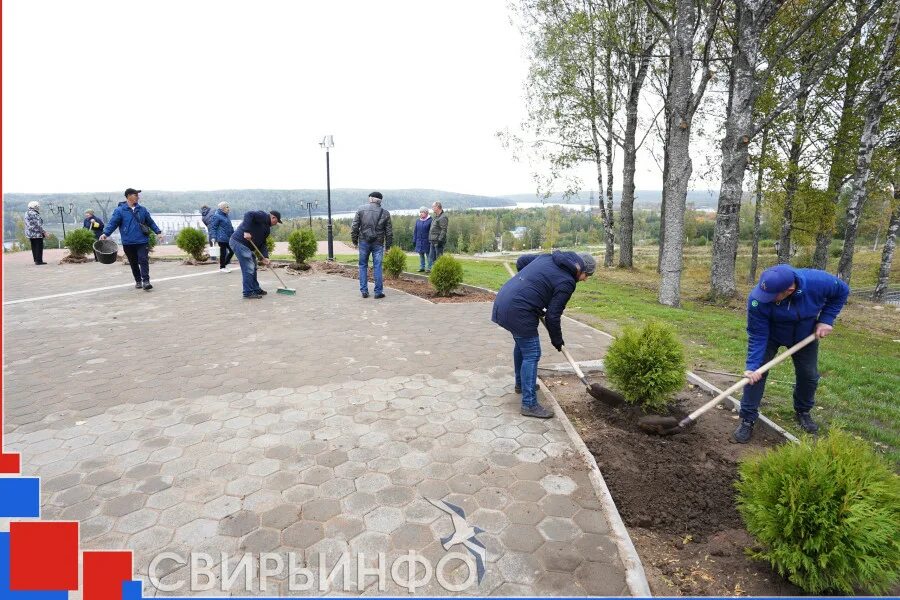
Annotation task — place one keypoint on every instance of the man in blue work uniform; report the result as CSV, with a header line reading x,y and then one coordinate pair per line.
x,y
788,305
545,282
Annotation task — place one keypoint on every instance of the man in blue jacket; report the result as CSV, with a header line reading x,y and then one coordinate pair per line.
x,y
545,282
254,228
787,306
135,224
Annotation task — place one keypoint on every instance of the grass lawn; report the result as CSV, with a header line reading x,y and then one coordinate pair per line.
x,y
859,362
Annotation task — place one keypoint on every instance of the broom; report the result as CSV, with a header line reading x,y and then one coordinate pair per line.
x,y
283,289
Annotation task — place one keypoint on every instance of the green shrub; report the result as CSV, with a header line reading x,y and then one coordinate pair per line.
x,y
270,245
79,242
302,244
152,241
647,366
446,274
194,242
826,513
394,262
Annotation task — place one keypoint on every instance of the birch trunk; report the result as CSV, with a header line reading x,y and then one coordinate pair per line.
x,y
757,210
877,98
792,181
890,242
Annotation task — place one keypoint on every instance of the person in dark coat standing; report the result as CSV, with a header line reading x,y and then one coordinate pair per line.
x,y
206,215
373,233
34,229
786,306
544,283
92,223
255,227
420,239
134,224
220,229
437,235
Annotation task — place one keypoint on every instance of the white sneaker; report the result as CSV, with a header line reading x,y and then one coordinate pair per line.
x,y
224,270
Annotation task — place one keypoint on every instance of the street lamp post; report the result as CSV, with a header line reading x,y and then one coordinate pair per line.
x,y
327,144
309,207
61,210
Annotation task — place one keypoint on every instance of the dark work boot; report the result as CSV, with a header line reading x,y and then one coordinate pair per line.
x,y
537,411
743,433
518,390
806,423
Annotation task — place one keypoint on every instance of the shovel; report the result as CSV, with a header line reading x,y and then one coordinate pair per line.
x,y
670,425
603,394
283,289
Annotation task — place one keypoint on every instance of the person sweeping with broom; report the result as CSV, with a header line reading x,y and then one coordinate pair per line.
x,y
545,282
252,232
786,306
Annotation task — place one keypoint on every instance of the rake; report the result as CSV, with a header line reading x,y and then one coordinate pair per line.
x,y
283,289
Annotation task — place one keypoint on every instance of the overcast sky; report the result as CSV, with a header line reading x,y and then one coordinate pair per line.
x,y
217,94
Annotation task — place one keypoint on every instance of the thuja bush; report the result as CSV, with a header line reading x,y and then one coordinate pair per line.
x,y
826,513
446,274
194,242
270,245
394,262
79,242
646,365
302,244
152,241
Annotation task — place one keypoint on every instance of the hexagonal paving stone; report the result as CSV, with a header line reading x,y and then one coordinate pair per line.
x,y
558,529
244,486
344,528
337,488
320,509
396,495
558,484
600,579
521,538
239,524
137,521
560,556
372,482
492,521
261,540
316,475
281,516
465,484
221,507
384,519
197,529
559,506
121,506
303,534
264,467
591,521
359,503
527,491
299,493
520,568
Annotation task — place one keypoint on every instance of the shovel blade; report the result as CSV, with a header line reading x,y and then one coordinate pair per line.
x,y
605,395
659,425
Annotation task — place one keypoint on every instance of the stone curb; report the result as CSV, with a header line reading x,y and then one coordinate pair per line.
x,y
635,578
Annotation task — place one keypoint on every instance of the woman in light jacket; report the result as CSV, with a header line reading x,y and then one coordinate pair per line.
x,y
34,229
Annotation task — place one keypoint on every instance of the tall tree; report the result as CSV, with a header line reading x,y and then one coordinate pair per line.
x,y
753,19
890,242
691,20
875,101
757,209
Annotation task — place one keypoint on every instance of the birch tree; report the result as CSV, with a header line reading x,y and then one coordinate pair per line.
x,y
691,27
876,99
753,18
890,242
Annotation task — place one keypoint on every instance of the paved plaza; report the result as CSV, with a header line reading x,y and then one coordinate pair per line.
x,y
187,419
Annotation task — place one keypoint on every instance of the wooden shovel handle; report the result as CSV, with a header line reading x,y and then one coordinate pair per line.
x,y
744,381
574,364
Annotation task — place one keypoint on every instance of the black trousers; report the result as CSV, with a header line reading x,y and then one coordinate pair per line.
x,y
37,249
139,260
223,260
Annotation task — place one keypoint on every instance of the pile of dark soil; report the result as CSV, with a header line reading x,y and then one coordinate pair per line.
x,y
676,494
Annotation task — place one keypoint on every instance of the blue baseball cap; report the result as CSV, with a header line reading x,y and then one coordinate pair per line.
x,y
772,282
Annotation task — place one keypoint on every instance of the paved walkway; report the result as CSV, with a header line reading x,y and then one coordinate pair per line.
x,y
187,419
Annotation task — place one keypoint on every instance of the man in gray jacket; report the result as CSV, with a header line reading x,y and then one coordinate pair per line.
x,y
437,235
373,233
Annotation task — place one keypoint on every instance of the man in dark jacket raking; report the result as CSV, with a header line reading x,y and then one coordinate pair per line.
x,y
373,233
788,305
255,227
135,224
545,282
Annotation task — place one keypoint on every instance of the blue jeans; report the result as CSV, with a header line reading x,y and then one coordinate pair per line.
x,y
377,252
806,380
423,256
247,260
526,355
435,251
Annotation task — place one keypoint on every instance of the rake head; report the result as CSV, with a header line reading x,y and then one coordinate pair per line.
x,y
286,291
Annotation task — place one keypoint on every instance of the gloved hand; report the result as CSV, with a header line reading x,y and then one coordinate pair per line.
x,y
558,344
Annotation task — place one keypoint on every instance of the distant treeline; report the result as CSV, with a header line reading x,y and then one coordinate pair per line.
x,y
291,203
